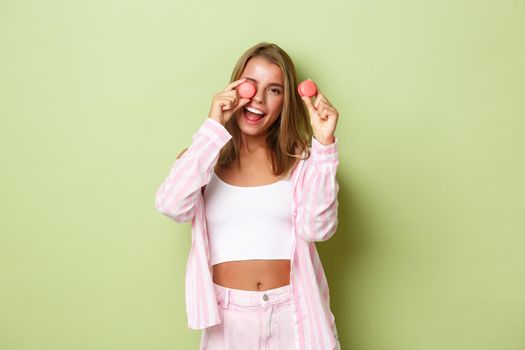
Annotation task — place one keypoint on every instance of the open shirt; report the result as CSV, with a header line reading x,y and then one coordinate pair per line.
x,y
314,209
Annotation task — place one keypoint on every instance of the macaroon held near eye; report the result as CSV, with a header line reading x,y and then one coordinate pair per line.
x,y
306,88
247,90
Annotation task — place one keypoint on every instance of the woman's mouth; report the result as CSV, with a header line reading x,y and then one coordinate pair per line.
x,y
251,117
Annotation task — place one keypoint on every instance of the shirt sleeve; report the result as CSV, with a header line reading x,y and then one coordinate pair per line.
x,y
317,207
177,195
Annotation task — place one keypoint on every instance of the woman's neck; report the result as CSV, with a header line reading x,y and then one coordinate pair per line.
x,y
253,145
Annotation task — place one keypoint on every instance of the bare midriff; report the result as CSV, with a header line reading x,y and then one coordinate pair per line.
x,y
257,275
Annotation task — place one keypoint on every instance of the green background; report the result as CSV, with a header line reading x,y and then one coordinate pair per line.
x,y
98,98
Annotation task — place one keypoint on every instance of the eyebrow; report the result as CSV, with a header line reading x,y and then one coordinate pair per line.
x,y
276,84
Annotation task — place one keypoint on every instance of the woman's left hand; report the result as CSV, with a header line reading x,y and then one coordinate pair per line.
x,y
323,117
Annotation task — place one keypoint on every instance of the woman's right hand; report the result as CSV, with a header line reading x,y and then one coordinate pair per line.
x,y
226,102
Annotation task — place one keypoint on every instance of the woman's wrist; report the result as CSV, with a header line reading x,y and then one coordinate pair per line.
x,y
325,140
217,120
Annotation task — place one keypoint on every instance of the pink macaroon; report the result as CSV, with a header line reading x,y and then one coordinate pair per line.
x,y
307,88
246,90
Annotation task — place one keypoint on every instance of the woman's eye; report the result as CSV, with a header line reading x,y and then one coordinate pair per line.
x,y
276,91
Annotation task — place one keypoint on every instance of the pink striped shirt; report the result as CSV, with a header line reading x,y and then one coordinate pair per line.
x,y
315,204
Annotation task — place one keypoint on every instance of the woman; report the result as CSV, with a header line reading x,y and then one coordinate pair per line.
x,y
258,184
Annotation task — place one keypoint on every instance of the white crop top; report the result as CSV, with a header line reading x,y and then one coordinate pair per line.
x,y
246,223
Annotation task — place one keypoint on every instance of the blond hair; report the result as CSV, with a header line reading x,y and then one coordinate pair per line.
x,y
289,136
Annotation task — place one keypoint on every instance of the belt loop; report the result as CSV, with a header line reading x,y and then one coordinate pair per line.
x,y
227,298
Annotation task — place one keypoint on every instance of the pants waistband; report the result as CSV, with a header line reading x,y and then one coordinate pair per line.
x,y
252,297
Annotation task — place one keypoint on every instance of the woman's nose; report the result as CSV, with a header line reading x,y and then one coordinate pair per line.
x,y
259,96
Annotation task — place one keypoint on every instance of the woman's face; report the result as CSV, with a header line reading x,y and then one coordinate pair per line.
x,y
268,78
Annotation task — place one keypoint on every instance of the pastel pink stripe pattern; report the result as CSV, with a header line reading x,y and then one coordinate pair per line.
x,y
315,208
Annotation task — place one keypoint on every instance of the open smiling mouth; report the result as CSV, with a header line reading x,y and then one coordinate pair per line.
x,y
251,117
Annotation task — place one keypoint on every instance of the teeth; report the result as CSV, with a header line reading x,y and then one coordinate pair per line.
x,y
256,111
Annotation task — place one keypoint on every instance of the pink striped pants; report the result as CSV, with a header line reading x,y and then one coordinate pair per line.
x,y
251,320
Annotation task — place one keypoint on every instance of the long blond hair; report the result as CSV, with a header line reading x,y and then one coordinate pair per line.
x,y
289,136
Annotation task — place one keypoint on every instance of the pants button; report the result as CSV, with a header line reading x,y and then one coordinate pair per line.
x,y
265,297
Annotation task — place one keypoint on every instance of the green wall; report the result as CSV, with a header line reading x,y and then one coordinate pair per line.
x,y
98,98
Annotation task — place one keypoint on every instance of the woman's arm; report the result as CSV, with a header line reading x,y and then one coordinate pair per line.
x,y
177,195
316,216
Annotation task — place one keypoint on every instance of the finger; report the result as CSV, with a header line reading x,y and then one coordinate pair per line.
x,y
309,104
232,93
242,103
234,84
227,98
227,104
331,113
320,98
221,105
326,104
234,99
321,110
228,95
223,94
324,114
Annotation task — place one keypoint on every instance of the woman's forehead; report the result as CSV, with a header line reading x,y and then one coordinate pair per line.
x,y
262,70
